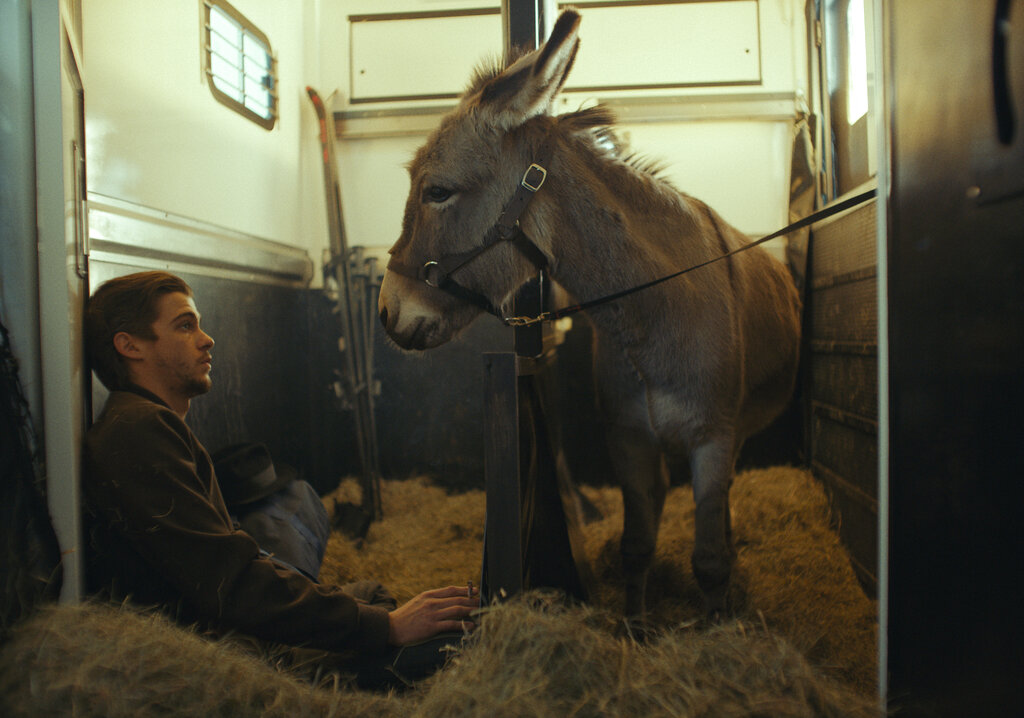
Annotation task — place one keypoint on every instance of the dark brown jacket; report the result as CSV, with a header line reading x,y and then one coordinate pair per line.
x,y
159,532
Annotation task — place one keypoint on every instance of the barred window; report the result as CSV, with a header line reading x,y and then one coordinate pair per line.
x,y
239,64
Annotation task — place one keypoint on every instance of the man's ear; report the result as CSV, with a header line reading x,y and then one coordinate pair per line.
x,y
127,346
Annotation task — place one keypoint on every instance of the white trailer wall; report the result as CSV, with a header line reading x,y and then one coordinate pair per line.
x,y
727,142
167,162
162,151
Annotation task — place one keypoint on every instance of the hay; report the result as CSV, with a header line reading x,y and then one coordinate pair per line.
x,y
533,657
101,661
803,644
539,658
426,539
792,573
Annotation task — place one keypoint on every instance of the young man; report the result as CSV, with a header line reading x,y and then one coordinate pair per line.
x,y
159,530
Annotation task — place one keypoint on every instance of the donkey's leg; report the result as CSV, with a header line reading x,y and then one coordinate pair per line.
x,y
644,478
737,447
713,555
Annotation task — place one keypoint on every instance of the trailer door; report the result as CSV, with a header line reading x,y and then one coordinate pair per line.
x,y
62,268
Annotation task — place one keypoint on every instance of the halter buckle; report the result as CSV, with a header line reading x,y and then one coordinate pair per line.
x,y
535,185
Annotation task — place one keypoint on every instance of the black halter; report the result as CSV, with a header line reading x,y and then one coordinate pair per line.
x,y
438,272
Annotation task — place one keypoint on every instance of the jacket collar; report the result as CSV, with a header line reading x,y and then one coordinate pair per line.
x,y
144,393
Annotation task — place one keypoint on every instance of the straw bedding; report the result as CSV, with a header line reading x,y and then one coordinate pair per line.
x,y
802,644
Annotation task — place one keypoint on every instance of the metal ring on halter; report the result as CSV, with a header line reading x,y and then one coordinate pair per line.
x,y
436,282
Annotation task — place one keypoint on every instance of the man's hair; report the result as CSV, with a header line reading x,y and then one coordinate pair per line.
x,y
125,304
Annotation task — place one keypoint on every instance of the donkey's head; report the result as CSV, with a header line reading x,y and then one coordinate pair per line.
x,y
461,181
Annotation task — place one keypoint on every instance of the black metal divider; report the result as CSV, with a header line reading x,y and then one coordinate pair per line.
x,y
532,535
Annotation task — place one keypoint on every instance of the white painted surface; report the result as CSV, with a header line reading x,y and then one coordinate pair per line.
x,y
740,168
375,183
401,58
658,33
367,7
159,139
678,44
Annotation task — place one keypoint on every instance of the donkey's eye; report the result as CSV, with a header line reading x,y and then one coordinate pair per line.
x,y
436,194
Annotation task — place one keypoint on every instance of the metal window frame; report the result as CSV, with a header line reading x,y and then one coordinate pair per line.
x,y
833,152
250,30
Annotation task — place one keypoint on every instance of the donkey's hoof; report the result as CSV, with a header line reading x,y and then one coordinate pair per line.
x,y
717,604
728,600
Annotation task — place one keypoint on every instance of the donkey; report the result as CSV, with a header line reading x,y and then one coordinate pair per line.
x,y
690,367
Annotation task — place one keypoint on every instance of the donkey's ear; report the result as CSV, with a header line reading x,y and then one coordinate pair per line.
x,y
528,87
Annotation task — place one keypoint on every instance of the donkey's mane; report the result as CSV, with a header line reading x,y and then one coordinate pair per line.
x,y
597,125
651,166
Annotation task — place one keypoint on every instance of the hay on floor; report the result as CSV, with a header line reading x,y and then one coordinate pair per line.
x,y
427,538
792,574
538,657
803,644
532,657
95,660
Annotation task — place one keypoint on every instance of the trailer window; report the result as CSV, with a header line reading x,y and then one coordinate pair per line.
x,y
848,73
238,63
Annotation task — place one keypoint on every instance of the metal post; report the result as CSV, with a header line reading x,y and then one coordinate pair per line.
x,y
503,557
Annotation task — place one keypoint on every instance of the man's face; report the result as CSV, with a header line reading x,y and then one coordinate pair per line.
x,y
178,360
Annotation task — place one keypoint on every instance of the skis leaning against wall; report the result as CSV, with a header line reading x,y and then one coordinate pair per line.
x,y
352,282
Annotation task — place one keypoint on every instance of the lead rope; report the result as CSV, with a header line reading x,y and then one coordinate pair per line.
x,y
799,224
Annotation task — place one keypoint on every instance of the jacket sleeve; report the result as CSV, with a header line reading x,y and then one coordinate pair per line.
x,y
145,479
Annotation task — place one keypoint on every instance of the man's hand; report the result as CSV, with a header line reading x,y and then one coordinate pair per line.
x,y
431,612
